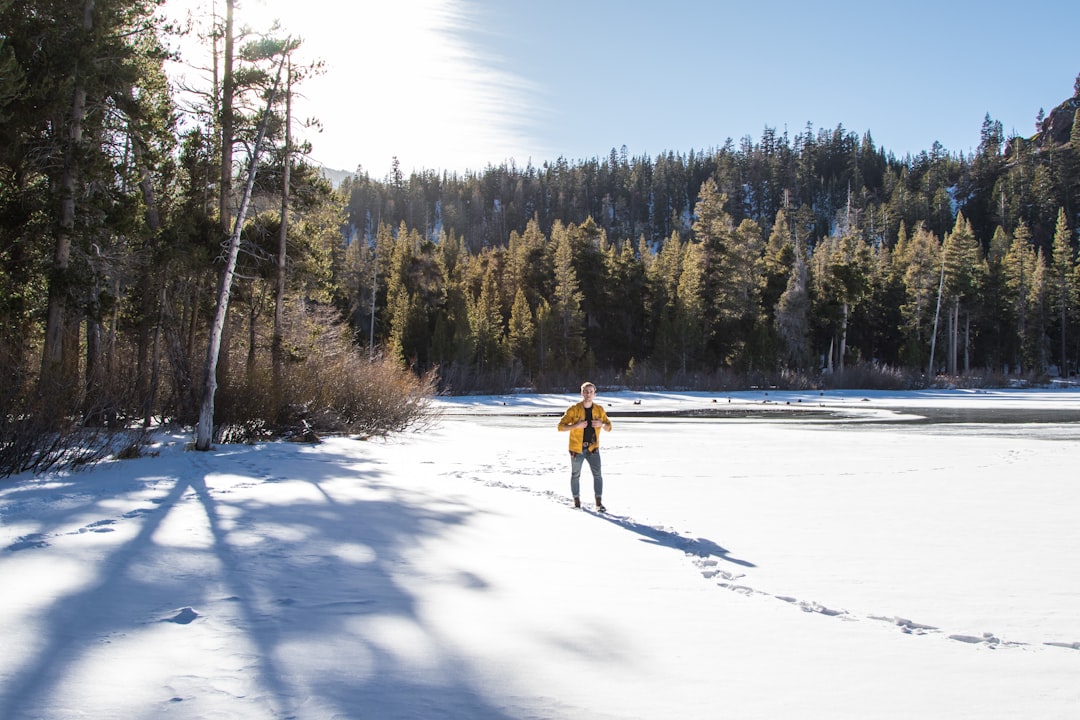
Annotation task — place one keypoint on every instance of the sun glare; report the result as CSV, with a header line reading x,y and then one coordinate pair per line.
x,y
399,80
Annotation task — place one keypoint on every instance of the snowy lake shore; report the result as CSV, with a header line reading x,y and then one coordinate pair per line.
x,y
766,554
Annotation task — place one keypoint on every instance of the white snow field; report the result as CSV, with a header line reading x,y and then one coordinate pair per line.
x,y
766,555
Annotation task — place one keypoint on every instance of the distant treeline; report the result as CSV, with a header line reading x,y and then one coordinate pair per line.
x,y
785,255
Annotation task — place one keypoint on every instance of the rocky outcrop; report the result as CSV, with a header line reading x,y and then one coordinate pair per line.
x,y
1056,128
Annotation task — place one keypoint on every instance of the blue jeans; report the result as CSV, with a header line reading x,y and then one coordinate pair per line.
x,y
575,472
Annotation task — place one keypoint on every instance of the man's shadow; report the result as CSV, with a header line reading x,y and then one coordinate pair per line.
x,y
699,547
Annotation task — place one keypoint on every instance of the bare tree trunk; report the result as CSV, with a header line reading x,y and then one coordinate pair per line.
x,y
155,362
277,346
228,87
182,372
205,429
937,314
146,186
147,386
142,367
113,330
94,370
253,317
191,317
371,329
1064,301
954,322
58,365
224,365
843,339
967,343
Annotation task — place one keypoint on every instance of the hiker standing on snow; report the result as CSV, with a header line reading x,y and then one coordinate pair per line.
x,y
584,420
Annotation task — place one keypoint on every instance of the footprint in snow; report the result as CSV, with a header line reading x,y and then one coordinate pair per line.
x,y
185,617
907,626
101,526
988,639
704,555
28,542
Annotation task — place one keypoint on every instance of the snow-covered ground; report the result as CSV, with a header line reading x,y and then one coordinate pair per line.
x,y
771,555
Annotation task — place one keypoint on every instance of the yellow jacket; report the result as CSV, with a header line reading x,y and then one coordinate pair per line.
x,y
575,414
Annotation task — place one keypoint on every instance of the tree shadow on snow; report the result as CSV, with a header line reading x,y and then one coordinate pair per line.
x,y
303,588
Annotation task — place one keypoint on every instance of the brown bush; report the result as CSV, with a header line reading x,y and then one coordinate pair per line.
x,y
43,430
328,386
359,396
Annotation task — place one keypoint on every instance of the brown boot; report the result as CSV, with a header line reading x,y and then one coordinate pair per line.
x,y
599,505
577,501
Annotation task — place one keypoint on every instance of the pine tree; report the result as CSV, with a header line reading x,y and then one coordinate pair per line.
x,y
567,344
919,260
623,326
840,276
76,77
521,337
530,263
723,282
1019,268
407,322
546,329
999,246
965,275
792,312
779,259
878,316
451,335
398,307
1062,288
987,166
486,325
689,322
589,247
1040,313
663,282
751,320
996,326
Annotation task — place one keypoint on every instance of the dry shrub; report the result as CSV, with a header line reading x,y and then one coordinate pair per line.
x,y
866,376
357,395
981,379
794,380
328,386
42,430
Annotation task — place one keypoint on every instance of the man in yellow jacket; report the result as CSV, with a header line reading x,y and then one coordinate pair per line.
x,y
585,420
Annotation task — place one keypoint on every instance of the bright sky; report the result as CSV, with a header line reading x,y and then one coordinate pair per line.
x,y
461,84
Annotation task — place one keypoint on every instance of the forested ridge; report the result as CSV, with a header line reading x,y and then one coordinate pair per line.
x,y
164,248
782,255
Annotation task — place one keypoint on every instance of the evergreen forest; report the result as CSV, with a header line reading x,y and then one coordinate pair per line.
x,y
170,252
779,260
